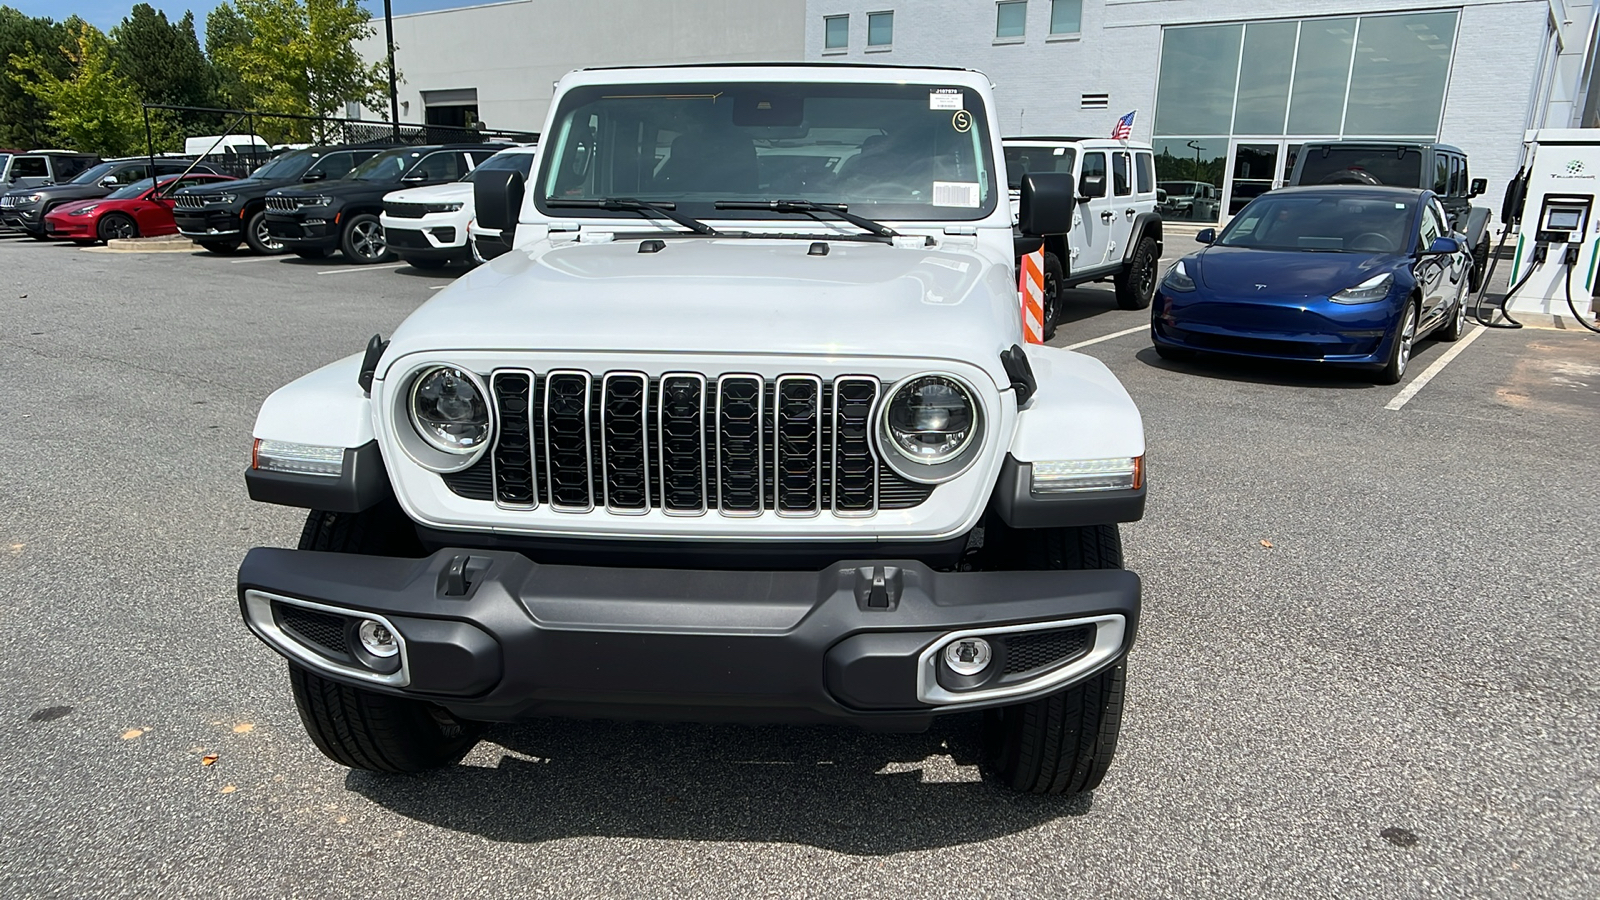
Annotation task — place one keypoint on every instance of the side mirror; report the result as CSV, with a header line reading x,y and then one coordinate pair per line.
x,y
1047,204
414,179
314,176
1443,246
1205,236
1479,186
109,181
1090,187
497,200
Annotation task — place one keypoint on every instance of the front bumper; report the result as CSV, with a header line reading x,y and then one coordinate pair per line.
x,y
207,223
72,227
1316,330
493,636
29,219
301,231
427,242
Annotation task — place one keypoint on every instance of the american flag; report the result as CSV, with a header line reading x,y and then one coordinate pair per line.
x,y
1124,128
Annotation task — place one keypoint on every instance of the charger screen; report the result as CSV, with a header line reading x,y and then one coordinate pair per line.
x,y
1563,219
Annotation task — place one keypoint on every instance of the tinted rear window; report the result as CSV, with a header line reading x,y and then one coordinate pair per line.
x,y
1393,166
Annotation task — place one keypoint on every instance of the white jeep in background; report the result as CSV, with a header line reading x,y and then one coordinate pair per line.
x,y
741,427
428,226
1115,229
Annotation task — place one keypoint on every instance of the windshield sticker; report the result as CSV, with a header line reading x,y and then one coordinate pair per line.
x,y
963,194
946,98
961,121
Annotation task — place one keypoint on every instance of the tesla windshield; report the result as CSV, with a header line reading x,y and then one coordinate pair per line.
x,y
888,151
1340,223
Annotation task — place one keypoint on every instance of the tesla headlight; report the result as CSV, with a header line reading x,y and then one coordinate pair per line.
x,y
449,410
1178,278
930,418
1370,291
83,210
444,207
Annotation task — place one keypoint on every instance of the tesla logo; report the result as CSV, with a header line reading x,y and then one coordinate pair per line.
x,y
1261,287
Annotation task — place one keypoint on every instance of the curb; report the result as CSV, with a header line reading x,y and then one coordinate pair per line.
x,y
152,245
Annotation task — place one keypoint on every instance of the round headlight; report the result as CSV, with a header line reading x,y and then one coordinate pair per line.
x,y
930,418
449,410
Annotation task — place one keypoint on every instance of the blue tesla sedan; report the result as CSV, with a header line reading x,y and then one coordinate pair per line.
x,y
1345,275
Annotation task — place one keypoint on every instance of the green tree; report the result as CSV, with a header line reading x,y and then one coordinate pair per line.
x,y
298,56
93,107
24,118
162,59
227,34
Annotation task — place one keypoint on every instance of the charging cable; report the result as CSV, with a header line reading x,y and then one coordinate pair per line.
x,y
1570,260
1540,251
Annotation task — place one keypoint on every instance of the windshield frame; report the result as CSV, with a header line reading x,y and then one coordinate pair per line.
x,y
89,176
703,207
307,155
375,163
1414,207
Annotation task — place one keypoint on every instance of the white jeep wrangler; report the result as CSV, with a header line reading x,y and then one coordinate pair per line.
x,y
1115,229
740,428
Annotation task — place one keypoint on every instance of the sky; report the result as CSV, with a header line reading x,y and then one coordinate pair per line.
x,y
107,13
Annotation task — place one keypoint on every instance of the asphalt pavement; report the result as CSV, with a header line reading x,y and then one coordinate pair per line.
x,y
1365,667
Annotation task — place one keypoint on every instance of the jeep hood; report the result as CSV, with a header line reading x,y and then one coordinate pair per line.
x,y
735,296
439,193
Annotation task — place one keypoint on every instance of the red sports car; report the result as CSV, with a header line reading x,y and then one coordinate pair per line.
x,y
141,209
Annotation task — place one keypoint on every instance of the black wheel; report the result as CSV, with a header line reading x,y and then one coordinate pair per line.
x,y
1054,276
428,263
1455,326
1136,285
363,242
258,237
221,248
1061,743
359,728
1480,264
1405,335
311,253
116,226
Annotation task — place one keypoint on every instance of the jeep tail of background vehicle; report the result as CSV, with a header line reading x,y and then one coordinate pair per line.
x,y
1115,229
740,428
1440,168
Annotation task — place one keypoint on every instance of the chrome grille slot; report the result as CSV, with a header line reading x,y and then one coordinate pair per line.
x,y
513,455
194,201
624,441
797,445
282,204
855,470
740,423
682,403
567,446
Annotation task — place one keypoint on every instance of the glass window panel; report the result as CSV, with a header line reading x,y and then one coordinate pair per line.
x,y
1316,101
1147,173
1189,177
1264,78
837,32
1441,173
1011,19
1397,83
1194,93
880,29
1119,174
1066,16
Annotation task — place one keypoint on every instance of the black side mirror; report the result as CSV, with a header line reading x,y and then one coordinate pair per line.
x,y
497,200
1047,204
1090,187
1205,236
314,176
1443,246
1479,186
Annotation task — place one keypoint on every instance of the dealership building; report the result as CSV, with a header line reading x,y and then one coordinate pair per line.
x,y
1226,92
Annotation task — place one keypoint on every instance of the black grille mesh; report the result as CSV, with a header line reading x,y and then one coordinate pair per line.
x,y
566,420
798,431
682,444
855,470
1040,649
513,452
406,210
739,421
325,631
623,443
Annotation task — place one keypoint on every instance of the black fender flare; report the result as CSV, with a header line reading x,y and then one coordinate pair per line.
x,y
1477,224
1144,225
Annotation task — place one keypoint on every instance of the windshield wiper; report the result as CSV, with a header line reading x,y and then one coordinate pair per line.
x,y
811,207
663,210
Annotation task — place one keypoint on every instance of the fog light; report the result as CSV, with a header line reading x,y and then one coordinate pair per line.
x,y
968,656
376,639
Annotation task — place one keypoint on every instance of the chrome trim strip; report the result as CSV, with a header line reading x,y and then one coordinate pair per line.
x,y
1108,636
700,439
644,437
533,453
588,448
777,445
258,615
872,414
761,421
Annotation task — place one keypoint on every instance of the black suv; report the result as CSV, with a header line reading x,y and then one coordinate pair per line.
x,y
25,209
315,220
218,217
1440,168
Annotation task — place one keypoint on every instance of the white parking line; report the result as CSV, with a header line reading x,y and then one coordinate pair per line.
x,y
1410,390
437,287
1107,337
360,269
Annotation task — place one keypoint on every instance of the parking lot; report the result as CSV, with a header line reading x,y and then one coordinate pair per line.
x,y
1364,669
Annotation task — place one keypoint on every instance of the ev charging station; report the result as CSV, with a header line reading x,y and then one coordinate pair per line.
x,y
1554,208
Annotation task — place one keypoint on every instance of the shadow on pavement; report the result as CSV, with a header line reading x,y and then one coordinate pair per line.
x,y
1271,372
817,786
1081,304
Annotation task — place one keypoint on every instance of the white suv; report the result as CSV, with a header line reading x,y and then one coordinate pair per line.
x,y
427,227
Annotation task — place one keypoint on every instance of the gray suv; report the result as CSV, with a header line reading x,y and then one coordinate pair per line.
x,y
24,170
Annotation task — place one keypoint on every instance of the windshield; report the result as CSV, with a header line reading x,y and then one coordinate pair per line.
x,y
93,174
1321,222
1021,161
1393,166
289,165
889,151
503,162
386,166
130,191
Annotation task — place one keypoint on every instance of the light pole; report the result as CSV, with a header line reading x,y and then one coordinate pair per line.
x,y
394,92
1194,144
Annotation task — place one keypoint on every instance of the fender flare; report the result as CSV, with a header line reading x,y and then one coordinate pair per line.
x,y
1477,224
326,408
1144,225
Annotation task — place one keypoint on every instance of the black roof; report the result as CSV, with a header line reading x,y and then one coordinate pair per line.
x,y
1381,142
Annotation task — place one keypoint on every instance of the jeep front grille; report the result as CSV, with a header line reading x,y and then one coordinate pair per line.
x,y
406,210
686,443
282,204
9,202
195,201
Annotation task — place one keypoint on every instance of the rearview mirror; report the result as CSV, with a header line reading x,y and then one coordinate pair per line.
x,y
497,199
1090,187
1205,235
1479,186
1047,204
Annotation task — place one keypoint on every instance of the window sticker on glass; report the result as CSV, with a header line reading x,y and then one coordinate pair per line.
x,y
963,194
961,120
946,98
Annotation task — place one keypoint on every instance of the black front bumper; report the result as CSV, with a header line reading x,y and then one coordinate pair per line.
x,y
29,219
856,641
300,232
207,223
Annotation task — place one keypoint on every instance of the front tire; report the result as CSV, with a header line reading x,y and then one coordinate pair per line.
x,y
117,227
1054,277
1136,285
259,238
363,242
1400,350
1457,326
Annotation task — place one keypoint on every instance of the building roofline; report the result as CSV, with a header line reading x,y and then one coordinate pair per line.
x,y
758,64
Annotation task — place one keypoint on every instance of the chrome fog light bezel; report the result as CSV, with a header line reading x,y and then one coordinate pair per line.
x,y
1110,631
259,617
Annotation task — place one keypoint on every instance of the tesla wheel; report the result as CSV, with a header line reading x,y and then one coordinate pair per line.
x,y
363,242
1400,348
311,253
221,248
422,262
117,227
1480,264
1456,325
1137,283
1054,276
258,237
